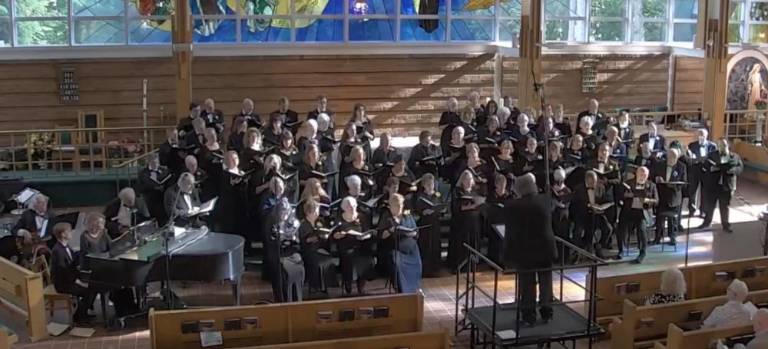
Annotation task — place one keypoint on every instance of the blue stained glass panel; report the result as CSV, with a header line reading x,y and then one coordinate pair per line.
x,y
214,30
472,8
371,30
323,30
417,30
411,7
471,30
149,32
95,32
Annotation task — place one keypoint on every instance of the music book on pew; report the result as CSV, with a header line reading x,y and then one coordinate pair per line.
x,y
82,332
56,329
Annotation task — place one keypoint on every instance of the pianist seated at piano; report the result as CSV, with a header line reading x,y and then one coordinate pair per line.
x,y
35,225
94,240
66,275
124,212
183,201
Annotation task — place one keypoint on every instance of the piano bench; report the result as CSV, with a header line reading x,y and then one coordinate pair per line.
x,y
52,298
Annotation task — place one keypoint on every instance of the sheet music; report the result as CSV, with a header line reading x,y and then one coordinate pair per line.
x,y
208,206
25,195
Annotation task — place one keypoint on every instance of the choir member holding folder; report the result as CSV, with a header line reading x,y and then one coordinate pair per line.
x,y
466,204
671,178
314,233
398,235
429,207
355,257
639,198
425,156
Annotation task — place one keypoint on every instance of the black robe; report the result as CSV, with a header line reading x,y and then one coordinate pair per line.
x,y
429,208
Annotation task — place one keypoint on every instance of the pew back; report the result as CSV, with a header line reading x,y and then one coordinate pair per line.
x,y
420,340
639,323
23,290
701,339
706,280
289,323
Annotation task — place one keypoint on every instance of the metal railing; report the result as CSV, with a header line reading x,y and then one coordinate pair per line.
x,y
73,151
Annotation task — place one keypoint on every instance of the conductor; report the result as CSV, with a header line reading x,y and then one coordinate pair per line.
x,y
531,246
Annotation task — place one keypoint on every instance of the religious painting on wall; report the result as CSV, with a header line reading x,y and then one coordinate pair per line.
x,y
747,85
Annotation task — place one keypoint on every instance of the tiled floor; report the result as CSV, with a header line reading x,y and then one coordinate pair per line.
x,y
439,307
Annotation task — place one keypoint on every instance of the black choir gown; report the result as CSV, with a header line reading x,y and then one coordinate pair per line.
x,y
428,208
465,226
318,262
494,214
417,163
454,157
355,257
210,161
282,260
230,213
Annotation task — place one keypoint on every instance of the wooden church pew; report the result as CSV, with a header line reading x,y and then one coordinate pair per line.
x,y
643,324
415,340
289,323
706,280
23,291
699,339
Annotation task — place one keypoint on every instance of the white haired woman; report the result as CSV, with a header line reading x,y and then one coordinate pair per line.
x,y
672,289
735,312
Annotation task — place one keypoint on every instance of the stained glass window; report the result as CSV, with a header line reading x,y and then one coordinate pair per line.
x,y
423,20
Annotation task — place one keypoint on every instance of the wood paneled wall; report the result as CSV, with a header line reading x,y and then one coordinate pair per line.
x,y
398,89
623,81
689,83
29,96
401,89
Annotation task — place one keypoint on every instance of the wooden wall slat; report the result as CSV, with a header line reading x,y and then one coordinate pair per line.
x,y
401,88
689,83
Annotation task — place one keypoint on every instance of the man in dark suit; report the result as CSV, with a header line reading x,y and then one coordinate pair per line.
x,y
183,201
531,246
65,273
213,117
639,197
124,212
590,212
153,180
698,153
719,182
252,118
290,117
171,154
185,125
36,222
668,177
656,142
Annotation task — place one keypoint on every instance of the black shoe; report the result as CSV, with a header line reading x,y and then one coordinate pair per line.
x,y
618,257
703,226
639,259
727,229
599,253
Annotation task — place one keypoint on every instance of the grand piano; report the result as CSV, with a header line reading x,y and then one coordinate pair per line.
x,y
196,254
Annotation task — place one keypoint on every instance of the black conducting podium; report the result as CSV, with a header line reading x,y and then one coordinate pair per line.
x,y
493,318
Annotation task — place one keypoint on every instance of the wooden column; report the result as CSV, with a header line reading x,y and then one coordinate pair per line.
x,y
713,20
530,54
182,56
